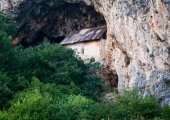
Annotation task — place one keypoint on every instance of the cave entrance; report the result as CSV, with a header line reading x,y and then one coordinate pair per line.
x,y
55,21
110,79
56,40
73,17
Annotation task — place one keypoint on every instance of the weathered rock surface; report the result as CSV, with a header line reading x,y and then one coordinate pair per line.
x,y
138,44
138,38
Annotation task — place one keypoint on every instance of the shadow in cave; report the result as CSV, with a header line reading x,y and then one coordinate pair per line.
x,y
111,79
42,36
56,40
54,22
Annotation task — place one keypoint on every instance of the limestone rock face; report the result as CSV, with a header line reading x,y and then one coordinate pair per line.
x,y
138,41
138,44
10,7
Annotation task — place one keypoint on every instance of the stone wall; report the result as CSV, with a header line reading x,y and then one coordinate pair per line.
x,y
88,50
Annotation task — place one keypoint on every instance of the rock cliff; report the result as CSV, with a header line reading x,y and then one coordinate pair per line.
x,y
138,44
138,35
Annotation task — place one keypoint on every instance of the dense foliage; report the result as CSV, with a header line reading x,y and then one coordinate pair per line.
x,y
50,64
49,82
132,105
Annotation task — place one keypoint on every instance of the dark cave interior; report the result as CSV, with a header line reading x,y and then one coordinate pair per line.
x,y
55,22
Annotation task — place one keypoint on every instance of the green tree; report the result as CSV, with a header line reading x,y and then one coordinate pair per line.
x,y
46,101
49,63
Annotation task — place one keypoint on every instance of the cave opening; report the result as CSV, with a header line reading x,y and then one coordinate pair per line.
x,y
55,22
110,79
113,80
56,40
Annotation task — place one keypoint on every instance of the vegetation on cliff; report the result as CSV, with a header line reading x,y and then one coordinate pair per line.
x,y
50,82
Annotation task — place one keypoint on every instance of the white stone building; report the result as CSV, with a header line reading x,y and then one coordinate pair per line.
x,y
88,43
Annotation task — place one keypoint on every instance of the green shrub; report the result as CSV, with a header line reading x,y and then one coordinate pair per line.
x,y
50,64
7,27
51,101
138,106
46,101
7,53
131,105
165,112
10,82
92,86
5,91
56,64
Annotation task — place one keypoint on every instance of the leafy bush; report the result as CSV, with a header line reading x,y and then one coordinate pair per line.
x,y
7,30
49,101
10,82
165,113
131,105
50,64
56,64
46,101
7,27
4,88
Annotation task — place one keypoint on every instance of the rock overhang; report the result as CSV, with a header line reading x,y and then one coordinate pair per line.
x,y
54,18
